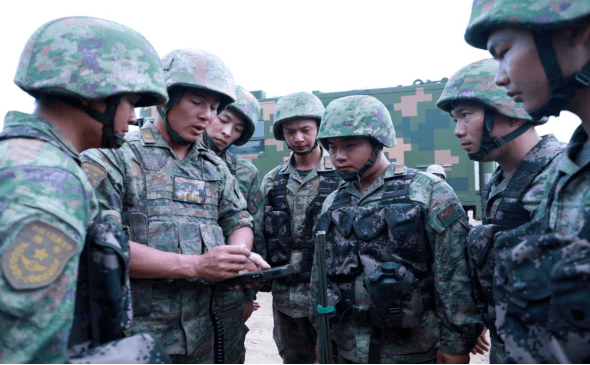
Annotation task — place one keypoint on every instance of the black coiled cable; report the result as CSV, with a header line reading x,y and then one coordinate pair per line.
x,y
218,334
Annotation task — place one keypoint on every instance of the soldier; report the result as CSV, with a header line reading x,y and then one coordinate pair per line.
x,y
86,75
437,170
492,127
178,201
236,125
541,286
394,254
294,192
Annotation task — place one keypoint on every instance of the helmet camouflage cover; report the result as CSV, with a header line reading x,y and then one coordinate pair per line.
x,y
297,105
90,58
194,68
249,107
487,15
357,116
475,82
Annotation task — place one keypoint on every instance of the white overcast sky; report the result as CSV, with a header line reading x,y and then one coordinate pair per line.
x,y
279,46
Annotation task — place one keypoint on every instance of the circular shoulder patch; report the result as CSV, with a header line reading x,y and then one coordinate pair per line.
x,y
37,256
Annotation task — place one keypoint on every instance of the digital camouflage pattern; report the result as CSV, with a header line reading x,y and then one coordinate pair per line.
x,y
537,256
424,135
297,105
475,82
142,348
46,201
541,293
453,324
185,206
296,338
249,107
194,68
292,299
340,114
92,58
487,15
231,302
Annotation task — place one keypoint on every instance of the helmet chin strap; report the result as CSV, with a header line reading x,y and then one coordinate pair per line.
x,y
110,138
175,95
304,152
488,143
356,175
210,143
562,89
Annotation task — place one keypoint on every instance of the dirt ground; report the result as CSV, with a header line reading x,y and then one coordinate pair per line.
x,y
260,346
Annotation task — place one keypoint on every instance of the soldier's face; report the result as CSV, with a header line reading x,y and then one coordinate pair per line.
x,y
226,128
469,120
193,113
349,153
300,133
124,116
519,70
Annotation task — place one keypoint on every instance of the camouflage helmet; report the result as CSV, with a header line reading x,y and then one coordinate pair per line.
x,y
357,116
475,82
90,58
297,105
194,68
436,169
487,15
249,108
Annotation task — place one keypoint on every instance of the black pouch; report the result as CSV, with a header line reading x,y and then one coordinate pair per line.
x,y
342,257
395,297
277,231
480,265
141,292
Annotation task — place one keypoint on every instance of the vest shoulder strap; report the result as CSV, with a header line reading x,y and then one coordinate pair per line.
x,y
279,190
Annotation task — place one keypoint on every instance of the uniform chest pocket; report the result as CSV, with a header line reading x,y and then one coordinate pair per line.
x,y
341,253
570,284
277,230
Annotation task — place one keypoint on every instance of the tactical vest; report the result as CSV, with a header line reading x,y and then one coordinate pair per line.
x,y
510,209
480,242
177,211
277,223
103,301
542,289
362,241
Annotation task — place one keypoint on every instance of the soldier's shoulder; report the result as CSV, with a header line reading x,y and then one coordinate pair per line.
x,y
271,174
209,156
245,164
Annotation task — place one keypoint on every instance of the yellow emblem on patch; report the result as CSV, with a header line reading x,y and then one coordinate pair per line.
x,y
95,172
37,256
328,162
147,136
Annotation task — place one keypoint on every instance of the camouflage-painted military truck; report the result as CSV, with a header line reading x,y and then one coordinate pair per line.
x,y
424,137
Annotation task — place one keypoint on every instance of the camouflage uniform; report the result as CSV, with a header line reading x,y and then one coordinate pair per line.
x,y
507,202
542,281
292,203
231,302
185,206
442,314
47,308
293,333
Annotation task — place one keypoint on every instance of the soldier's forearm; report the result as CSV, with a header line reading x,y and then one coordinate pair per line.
x,y
148,263
241,237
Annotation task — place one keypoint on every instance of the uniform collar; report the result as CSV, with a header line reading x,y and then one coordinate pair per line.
x,y
325,163
393,169
150,136
565,162
14,118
